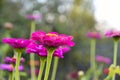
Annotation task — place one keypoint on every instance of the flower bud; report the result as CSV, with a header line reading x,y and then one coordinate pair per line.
x,y
8,25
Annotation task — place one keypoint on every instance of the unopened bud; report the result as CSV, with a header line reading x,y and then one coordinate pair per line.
x,y
8,25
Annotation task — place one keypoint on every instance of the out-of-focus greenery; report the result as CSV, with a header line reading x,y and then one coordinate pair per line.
x,y
72,17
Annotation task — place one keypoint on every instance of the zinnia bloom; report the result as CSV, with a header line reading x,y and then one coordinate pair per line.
x,y
37,49
13,60
42,51
59,52
112,33
102,59
10,67
52,39
95,35
16,43
33,16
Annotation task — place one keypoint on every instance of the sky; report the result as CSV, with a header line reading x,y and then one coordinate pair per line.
x,y
108,11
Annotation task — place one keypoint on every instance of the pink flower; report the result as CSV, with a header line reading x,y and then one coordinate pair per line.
x,y
16,43
13,60
52,39
9,67
95,35
60,51
42,51
33,16
112,33
102,59
37,49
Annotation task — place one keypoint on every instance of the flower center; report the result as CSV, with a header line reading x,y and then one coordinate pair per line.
x,y
49,34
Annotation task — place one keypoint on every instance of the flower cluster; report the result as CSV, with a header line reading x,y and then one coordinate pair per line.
x,y
11,66
42,51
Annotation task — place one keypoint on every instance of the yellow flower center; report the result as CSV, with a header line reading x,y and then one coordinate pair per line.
x,y
49,34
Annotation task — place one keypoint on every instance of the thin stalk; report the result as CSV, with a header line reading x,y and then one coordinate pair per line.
x,y
13,75
18,55
115,55
48,64
92,56
10,76
54,68
32,26
42,64
32,56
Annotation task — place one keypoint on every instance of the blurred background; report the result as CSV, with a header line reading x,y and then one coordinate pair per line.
x,y
72,17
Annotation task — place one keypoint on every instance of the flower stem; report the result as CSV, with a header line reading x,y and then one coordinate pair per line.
x,y
32,56
54,68
18,54
13,75
42,64
115,55
32,26
10,76
48,64
92,57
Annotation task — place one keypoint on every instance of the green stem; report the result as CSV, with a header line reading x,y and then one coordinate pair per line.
x,y
13,75
115,55
92,57
54,68
32,26
17,65
42,64
32,56
10,75
49,59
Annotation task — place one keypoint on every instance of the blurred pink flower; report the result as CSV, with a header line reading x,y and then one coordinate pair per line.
x,y
112,33
33,16
37,49
10,67
60,51
95,35
42,51
16,43
106,71
13,60
52,39
103,59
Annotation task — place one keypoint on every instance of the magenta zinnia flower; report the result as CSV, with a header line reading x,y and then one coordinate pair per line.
x,y
13,60
59,52
42,51
10,67
112,33
33,16
16,43
102,59
95,35
52,39
37,49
